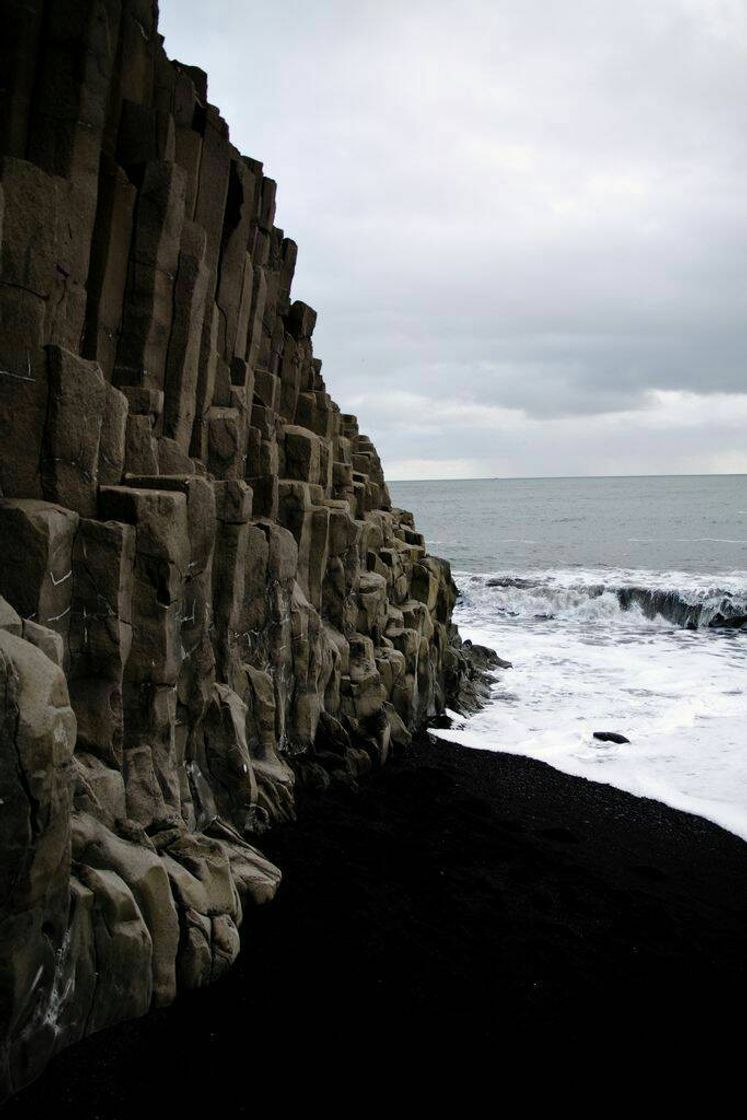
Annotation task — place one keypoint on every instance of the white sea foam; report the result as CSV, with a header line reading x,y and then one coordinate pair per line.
x,y
609,650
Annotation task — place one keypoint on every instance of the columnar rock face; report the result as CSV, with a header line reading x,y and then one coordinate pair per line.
x,y
206,593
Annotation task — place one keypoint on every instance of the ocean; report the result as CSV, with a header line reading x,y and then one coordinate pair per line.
x,y
622,605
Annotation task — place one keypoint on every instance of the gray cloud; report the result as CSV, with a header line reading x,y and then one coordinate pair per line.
x,y
529,206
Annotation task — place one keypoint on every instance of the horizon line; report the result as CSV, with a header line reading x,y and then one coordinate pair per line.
x,y
561,477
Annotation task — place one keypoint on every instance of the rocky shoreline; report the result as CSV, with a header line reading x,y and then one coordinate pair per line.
x,y
457,911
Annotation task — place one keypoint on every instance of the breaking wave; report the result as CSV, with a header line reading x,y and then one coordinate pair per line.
x,y
545,598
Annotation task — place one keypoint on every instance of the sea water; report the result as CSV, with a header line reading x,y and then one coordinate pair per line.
x,y
622,605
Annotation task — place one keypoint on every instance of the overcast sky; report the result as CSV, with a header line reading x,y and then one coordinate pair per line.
x,y
523,222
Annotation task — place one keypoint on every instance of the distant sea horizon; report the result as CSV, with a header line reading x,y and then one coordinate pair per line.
x,y
560,477
621,601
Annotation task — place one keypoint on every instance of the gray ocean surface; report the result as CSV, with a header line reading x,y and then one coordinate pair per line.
x,y
622,604
688,523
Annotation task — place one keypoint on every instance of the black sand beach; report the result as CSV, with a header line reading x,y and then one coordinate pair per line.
x,y
462,914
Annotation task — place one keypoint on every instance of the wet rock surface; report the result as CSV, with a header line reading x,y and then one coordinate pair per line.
x,y
207,595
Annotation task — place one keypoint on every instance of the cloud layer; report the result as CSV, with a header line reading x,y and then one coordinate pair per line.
x,y
523,224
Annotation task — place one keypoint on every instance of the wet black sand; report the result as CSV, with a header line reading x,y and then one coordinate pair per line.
x,y
462,917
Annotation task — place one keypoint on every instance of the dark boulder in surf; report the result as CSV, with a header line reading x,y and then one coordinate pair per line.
x,y
610,737
483,657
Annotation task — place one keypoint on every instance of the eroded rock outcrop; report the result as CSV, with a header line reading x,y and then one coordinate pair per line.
x,y
206,593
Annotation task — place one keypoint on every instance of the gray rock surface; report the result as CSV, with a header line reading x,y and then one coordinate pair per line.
x,y
207,595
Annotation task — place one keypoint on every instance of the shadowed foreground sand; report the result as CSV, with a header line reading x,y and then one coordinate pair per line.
x,y
459,917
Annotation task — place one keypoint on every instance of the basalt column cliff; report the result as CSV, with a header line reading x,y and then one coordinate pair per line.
x,y
206,594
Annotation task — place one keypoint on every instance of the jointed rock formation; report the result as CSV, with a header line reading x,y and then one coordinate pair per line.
x,y
207,595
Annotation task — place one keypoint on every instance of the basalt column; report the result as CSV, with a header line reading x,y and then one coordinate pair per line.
x,y
206,593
